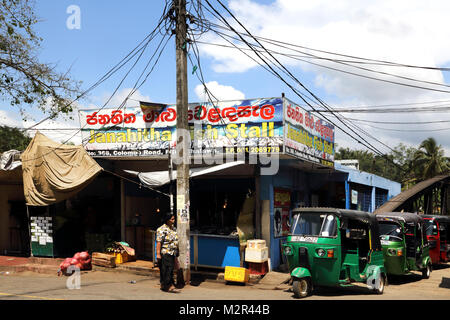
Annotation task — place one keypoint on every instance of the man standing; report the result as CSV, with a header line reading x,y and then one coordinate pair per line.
x,y
167,252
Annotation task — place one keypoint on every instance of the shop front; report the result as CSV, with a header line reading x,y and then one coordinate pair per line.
x,y
281,157
14,237
219,199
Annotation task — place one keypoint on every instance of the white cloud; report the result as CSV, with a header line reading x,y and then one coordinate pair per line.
x,y
132,101
58,131
119,99
410,32
218,92
404,31
66,127
9,119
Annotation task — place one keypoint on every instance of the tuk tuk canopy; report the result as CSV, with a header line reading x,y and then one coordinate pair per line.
x,y
407,217
440,219
361,216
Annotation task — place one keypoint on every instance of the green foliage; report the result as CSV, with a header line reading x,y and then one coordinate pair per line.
x,y
407,165
430,160
12,138
24,80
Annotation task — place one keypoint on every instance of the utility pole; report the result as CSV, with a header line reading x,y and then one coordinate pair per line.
x,y
183,140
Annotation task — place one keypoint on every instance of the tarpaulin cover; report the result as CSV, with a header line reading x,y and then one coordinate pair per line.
x,y
53,172
9,160
11,167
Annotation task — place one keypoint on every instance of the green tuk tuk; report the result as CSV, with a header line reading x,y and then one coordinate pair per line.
x,y
404,243
334,247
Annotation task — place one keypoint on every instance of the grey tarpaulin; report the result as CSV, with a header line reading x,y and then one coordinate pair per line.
x,y
10,160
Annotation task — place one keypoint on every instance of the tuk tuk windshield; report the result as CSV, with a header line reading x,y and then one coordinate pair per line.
x,y
431,228
391,231
310,224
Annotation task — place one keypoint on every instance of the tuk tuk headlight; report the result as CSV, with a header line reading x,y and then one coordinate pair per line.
x,y
392,252
395,252
321,252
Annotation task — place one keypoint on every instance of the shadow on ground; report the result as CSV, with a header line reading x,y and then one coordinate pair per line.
x,y
445,283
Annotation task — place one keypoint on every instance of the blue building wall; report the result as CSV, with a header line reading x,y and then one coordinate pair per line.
x,y
299,182
376,183
303,184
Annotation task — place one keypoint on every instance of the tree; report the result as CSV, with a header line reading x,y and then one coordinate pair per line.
x,y
429,160
24,80
395,166
12,138
368,162
404,171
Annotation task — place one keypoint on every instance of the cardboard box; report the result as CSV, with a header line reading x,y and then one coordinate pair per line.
x,y
256,255
104,260
236,274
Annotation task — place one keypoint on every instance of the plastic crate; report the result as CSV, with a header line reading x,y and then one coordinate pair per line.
x,y
236,274
258,268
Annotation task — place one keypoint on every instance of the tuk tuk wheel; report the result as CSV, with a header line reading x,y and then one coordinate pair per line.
x,y
426,272
302,287
380,288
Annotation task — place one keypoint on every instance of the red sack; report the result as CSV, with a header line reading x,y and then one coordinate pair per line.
x,y
84,255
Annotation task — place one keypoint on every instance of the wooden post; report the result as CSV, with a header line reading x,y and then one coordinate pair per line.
x,y
183,141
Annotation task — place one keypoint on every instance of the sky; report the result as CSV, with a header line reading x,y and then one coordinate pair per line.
x,y
413,33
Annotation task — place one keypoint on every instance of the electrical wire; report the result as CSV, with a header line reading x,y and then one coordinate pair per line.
x,y
366,143
135,87
370,147
390,110
107,75
358,60
407,130
141,50
398,122
203,82
140,184
294,57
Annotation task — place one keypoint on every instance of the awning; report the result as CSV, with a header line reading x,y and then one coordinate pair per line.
x,y
160,178
53,172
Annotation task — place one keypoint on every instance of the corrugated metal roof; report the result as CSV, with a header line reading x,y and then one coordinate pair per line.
x,y
401,198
